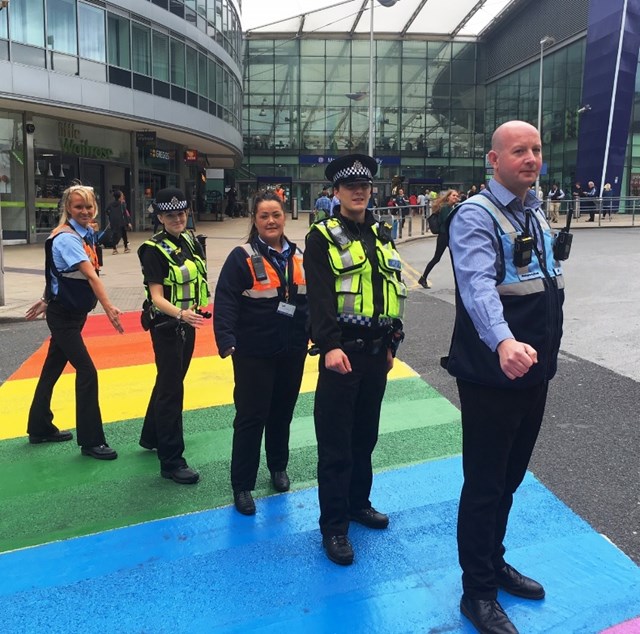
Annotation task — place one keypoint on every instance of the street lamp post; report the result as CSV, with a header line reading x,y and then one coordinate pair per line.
x,y
384,3
547,40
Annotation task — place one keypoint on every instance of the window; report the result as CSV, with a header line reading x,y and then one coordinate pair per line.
x,y
27,22
91,34
119,49
177,63
61,26
141,48
160,56
192,69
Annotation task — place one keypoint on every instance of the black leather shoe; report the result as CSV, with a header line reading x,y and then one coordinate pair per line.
x,y
513,582
370,517
57,436
101,452
280,481
339,549
244,503
182,475
487,616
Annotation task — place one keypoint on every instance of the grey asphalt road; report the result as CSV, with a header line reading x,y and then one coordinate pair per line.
x,y
588,450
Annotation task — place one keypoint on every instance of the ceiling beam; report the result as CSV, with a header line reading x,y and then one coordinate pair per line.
x,y
413,17
363,8
478,5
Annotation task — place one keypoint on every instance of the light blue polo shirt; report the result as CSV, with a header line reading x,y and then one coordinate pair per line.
x,y
68,251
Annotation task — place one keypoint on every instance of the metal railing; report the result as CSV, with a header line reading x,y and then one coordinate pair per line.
x,y
621,209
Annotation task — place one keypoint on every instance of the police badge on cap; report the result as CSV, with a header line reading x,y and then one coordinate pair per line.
x,y
170,200
353,168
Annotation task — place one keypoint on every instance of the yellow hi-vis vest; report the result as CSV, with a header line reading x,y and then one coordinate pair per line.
x,y
187,279
352,268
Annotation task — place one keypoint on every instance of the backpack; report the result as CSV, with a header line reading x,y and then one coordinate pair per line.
x,y
434,223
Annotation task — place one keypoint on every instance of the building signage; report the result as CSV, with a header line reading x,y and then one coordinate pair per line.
x,y
314,159
72,143
164,155
191,156
145,137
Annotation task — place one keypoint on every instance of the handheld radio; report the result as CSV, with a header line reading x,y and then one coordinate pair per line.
x,y
562,243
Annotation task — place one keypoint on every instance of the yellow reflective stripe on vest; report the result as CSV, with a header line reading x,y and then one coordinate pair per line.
x,y
186,282
353,271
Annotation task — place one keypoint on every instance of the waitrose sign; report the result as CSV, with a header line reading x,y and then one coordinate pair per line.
x,y
72,143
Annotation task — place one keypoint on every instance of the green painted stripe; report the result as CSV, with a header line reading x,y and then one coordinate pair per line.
x,y
55,493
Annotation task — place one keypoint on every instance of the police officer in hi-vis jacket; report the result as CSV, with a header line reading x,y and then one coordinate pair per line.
x,y
175,278
356,301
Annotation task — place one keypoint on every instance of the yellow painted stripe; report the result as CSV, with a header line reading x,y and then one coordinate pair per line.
x,y
124,392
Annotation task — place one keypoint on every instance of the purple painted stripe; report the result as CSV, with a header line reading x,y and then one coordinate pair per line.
x,y
628,627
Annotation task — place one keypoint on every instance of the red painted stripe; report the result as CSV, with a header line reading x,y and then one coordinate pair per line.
x,y
108,349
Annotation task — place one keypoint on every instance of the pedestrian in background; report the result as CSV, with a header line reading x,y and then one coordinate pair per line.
x,y
590,200
607,200
356,300
119,221
503,354
72,290
442,206
260,321
174,269
554,197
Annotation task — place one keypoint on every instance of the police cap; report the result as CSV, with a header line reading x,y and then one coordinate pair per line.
x,y
170,200
352,168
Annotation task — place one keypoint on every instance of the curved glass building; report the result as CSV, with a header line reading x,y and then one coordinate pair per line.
x,y
133,95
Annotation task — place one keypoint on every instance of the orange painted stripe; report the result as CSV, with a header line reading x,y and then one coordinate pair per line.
x,y
108,349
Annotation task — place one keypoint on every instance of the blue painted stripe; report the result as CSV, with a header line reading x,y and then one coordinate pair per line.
x,y
219,571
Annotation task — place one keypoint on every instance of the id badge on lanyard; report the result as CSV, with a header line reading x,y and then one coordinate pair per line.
x,y
284,308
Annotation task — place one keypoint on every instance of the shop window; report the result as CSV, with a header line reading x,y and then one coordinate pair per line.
x,y
91,32
119,76
141,48
28,55
61,26
143,83
27,22
177,63
119,41
192,69
161,88
161,57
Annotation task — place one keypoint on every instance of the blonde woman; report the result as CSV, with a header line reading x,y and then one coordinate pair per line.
x,y
72,290
443,206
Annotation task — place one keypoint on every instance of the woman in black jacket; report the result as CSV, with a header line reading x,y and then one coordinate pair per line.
x,y
260,315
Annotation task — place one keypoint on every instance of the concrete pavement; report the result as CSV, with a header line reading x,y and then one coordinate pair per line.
x,y
24,264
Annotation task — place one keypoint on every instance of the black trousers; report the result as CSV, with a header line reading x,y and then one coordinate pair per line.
x,y
265,394
67,346
162,427
442,243
499,431
347,417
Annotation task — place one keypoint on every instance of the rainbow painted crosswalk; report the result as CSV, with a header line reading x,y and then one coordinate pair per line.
x,y
97,546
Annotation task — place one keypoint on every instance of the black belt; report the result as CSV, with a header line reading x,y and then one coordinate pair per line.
x,y
367,346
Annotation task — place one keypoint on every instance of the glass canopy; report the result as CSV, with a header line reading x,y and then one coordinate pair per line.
x,y
448,18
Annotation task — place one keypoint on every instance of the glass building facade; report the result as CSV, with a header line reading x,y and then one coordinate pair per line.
x,y
515,96
78,79
306,101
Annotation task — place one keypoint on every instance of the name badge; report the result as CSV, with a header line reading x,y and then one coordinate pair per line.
x,y
286,309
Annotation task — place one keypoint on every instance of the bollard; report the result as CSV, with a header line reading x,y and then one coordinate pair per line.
x,y
202,239
294,209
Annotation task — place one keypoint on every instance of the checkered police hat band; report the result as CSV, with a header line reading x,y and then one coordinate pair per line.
x,y
357,170
173,205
